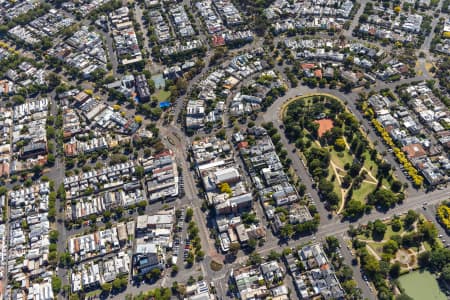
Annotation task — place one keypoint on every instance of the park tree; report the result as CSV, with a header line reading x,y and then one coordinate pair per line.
x,y
394,270
390,247
325,186
339,144
371,266
439,258
410,218
413,239
424,259
344,273
354,209
354,169
384,168
384,266
396,224
396,186
346,181
378,230
445,274
383,197
332,198
429,231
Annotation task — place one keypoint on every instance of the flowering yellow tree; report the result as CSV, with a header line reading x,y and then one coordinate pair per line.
x,y
401,157
443,214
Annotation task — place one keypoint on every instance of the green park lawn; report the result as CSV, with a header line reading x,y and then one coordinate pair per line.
x,y
340,159
369,164
390,232
421,285
377,247
387,235
364,190
336,186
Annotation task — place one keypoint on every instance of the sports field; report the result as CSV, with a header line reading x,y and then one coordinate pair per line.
x,y
421,285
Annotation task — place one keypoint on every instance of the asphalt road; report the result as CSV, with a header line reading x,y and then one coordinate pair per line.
x,y
357,273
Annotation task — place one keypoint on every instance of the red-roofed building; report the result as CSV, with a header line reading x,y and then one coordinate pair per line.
x,y
307,66
166,152
242,145
4,169
414,151
318,73
70,149
218,40
403,69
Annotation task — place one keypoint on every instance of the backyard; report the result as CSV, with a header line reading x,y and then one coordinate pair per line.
x,y
162,95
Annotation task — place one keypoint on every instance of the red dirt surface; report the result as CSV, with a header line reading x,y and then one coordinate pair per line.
x,y
324,126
